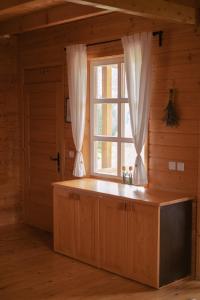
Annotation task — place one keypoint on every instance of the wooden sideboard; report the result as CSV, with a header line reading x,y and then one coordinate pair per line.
x,y
144,235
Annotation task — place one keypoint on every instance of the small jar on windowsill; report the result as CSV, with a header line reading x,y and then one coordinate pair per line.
x,y
127,177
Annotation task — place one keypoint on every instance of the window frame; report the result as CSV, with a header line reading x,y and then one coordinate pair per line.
x,y
120,100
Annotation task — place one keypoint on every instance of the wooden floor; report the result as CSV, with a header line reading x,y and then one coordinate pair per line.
x,y
29,269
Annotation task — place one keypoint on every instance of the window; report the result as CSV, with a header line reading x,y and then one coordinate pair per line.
x,y
111,136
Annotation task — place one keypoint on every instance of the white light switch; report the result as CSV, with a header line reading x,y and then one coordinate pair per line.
x,y
172,165
71,154
180,166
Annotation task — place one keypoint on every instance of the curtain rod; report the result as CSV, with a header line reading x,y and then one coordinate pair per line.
x,y
154,33
104,42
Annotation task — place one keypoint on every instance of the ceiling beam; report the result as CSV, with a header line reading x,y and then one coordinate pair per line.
x,y
5,4
61,14
12,8
159,9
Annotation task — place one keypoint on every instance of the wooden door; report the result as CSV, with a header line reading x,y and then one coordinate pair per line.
x,y
112,233
64,222
143,243
43,94
86,220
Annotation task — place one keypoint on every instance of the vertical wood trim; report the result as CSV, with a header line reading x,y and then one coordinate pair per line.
x,y
26,148
60,140
22,128
61,118
158,251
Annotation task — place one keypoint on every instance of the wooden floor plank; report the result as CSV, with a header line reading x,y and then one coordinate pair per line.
x,y
30,270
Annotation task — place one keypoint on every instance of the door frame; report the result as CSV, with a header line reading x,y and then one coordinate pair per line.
x,y
60,141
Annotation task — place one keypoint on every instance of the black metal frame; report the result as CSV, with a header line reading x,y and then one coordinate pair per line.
x,y
160,37
154,33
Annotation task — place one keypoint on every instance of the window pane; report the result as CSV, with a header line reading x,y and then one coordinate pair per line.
x,y
98,82
124,92
128,154
106,119
106,81
125,121
105,157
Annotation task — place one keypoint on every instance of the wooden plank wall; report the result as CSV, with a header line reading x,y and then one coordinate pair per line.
x,y
10,138
175,64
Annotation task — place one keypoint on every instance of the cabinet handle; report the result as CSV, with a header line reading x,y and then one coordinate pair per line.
x,y
122,206
132,206
74,196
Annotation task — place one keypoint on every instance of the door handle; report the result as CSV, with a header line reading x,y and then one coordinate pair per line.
x,y
57,159
74,196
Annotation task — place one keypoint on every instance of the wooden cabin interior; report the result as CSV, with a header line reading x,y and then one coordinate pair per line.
x,y
99,149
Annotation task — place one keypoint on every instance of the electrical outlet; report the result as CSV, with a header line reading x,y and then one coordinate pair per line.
x,y
172,165
180,166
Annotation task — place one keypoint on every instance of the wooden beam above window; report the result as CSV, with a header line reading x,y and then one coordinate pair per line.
x,y
13,8
160,9
65,13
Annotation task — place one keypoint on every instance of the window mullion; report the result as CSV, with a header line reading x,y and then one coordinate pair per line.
x,y
119,159
119,123
119,143
92,83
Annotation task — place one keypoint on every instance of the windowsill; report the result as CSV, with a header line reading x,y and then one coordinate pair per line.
x,y
107,178
112,179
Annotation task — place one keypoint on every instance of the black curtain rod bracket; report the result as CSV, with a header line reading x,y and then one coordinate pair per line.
x,y
160,37
155,33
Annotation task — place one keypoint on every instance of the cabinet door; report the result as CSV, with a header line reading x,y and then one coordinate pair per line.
x,y
112,234
86,220
143,243
175,241
64,222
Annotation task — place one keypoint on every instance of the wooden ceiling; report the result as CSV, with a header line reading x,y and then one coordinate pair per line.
x,y
13,8
54,15
18,16
161,9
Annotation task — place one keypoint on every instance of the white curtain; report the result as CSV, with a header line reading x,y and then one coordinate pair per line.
x,y
77,82
137,57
